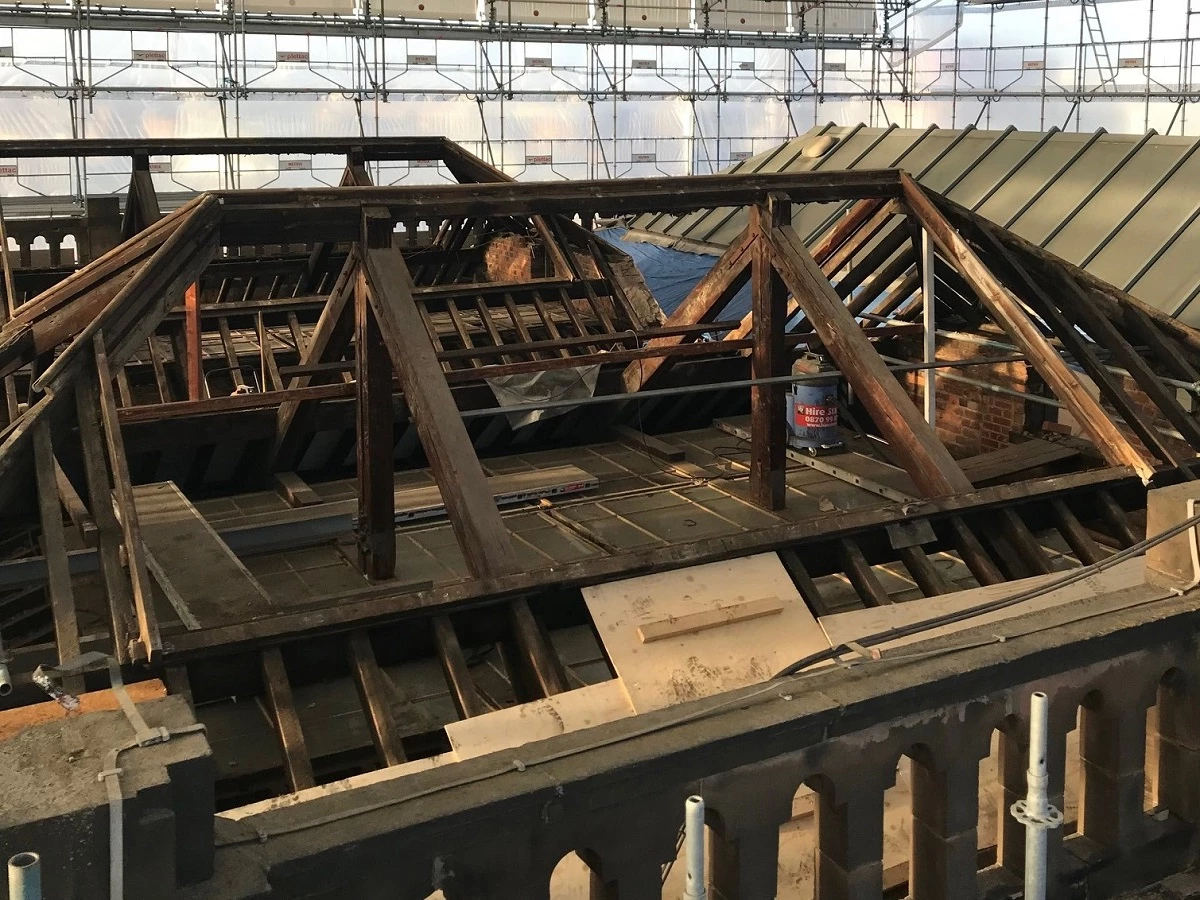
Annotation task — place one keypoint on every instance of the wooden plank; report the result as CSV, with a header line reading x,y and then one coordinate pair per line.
x,y
482,536
1065,384
650,445
376,444
425,502
215,586
295,490
54,548
372,684
712,618
296,761
15,721
703,304
769,359
143,595
666,672
108,529
927,461
1014,459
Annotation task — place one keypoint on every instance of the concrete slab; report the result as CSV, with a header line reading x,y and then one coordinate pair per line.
x,y
55,804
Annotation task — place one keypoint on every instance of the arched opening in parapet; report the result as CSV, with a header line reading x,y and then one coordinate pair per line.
x,y
39,251
68,250
572,877
1001,780
798,842
1170,731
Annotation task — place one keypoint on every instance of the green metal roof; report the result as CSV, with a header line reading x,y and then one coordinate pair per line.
x,y
1125,207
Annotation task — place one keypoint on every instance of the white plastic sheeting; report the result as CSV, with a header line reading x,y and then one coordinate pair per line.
x,y
544,110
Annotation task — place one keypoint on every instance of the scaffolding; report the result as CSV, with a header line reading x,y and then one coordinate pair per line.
x,y
564,89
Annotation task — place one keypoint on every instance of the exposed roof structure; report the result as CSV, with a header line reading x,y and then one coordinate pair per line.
x,y
270,419
1126,208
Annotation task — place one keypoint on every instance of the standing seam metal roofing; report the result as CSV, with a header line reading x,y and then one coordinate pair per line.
x,y
1124,207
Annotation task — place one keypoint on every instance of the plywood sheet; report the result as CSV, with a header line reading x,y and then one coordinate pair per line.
x,y
206,582
841,628
586,707
690,666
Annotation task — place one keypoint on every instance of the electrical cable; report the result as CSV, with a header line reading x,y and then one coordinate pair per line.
x,y
1070,578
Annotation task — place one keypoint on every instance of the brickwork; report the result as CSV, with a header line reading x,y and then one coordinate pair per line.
x,y
515,258
971,419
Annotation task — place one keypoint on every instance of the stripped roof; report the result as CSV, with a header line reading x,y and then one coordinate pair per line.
x,y
1124,207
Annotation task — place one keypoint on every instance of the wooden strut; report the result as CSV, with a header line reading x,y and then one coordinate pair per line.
x,y
1086,410
482,537
143,595
768,432
703,304
924,457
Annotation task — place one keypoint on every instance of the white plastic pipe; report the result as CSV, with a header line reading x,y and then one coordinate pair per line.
x,y
928,288
693,848
1035,811
25,877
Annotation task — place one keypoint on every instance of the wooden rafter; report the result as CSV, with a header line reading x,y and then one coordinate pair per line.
x,y
704,303
911,438
1009,314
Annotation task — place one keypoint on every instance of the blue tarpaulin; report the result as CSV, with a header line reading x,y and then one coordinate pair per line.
x,y
671,274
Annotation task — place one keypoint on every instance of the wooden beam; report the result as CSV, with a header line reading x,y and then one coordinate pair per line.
x,y
295,490
143,595
372,684
282,704
704,304
462,687
108,529
1102,330
376,443
770,359
482,536
925,573
1072,307
54,549
194,364
924,457
329,340
1065,384
386,602
862,577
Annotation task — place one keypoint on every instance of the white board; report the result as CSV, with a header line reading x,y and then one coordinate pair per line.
x,y
584,707
841,628
701,664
